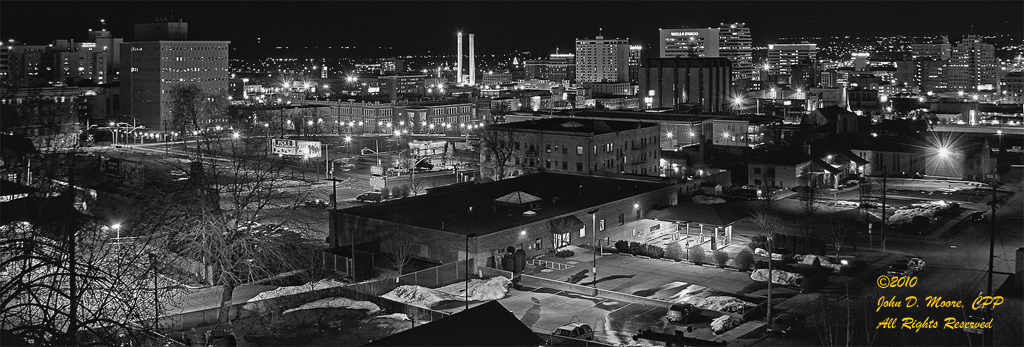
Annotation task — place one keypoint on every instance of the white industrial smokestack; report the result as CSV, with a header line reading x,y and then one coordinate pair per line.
x,y
458,63
472,62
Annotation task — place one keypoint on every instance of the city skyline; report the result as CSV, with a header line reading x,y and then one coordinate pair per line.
x,y
430,27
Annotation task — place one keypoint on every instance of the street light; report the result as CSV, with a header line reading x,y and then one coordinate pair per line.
x,y
467,268
117,227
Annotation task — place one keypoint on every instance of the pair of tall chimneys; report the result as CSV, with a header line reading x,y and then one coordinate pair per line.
x,y
472,62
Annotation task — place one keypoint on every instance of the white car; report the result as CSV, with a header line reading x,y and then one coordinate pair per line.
x,y
567,334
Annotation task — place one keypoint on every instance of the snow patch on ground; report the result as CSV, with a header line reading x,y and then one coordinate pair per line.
x,y
778,277
337,303
809,260
291,290
395,316
418,296
479,290
493,288
724,323
720,303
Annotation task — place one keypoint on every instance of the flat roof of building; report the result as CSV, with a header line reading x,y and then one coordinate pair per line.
x,y
668,116
575,125
471,209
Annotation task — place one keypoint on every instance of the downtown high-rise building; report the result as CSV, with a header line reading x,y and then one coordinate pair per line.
x,y
558,67
96,59
602,60
734,43
634,63
151,69
782,57
972,66
727,41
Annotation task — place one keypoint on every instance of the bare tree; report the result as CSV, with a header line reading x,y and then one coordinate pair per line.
x,y
809,196
64,278
194,111
836,232
399,246
232,215
49,123
421,185
275,122
312,123
563,226
771,224
498,148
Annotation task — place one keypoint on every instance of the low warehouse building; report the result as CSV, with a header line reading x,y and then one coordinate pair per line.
x,y
537,213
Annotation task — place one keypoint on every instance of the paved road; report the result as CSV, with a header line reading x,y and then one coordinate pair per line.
x,y
983,129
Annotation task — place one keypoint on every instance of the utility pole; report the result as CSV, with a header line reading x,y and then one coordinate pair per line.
x,y
593,215
992,236
881,229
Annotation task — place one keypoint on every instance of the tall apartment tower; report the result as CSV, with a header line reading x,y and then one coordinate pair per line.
x,y
634,63
972,66
734,42
602,60
781,57
150,69
727,41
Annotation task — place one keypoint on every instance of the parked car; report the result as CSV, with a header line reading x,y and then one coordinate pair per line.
x,y
784,324
908,266
683,313
565,334
219,336
318,203
424,165
976,217
369,196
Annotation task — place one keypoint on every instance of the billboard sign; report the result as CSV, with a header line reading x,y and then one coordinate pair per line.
x,y
309,149
284,146
427,147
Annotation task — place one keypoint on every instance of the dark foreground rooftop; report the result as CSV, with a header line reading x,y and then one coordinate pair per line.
x,y
489,324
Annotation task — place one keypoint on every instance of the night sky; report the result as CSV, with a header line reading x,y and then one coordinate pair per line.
x,y
501,26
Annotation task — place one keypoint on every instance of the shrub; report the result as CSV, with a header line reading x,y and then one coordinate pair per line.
x,y
506,262
814,282
674,251
744,260
721,258
758,241
696,255
655,251
622,246
519,261
636,248
564,253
